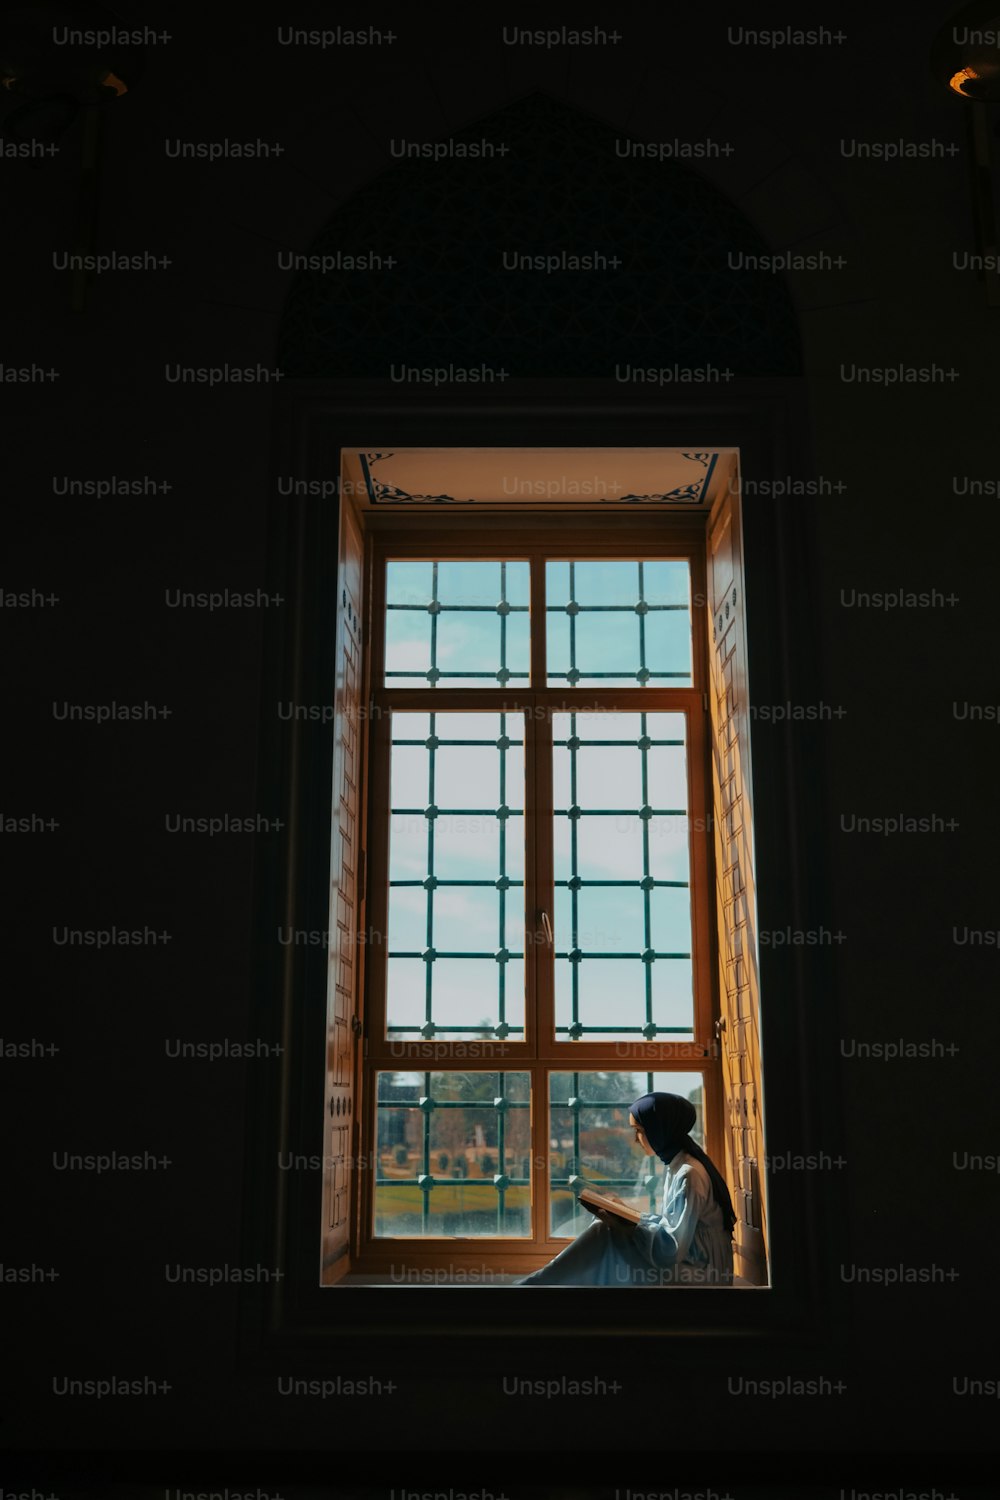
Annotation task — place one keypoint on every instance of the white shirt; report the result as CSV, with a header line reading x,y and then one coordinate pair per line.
x,y
687,1241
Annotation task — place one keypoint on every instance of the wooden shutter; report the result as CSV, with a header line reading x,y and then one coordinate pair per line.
x,y
732,793
343,984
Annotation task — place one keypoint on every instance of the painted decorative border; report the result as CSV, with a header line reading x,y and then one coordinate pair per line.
x,y
694,493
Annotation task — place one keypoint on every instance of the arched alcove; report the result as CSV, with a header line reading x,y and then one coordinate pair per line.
x,y
566,183
559,181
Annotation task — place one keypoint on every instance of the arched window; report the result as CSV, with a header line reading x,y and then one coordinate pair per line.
x,y
436,284
668,350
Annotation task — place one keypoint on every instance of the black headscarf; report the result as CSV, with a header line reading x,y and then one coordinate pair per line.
x,y
666,1120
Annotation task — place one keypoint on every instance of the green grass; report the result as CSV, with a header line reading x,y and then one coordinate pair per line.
x,y
445,1199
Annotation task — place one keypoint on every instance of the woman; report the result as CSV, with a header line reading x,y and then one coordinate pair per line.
x,y
690,1241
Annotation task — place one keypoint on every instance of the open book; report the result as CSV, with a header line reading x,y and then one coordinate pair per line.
x,y
591,1198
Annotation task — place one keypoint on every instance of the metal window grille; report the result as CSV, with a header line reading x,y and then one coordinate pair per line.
x,y
435,609
573,608
572,1178
426,1179
431,882
575,1029
569,1176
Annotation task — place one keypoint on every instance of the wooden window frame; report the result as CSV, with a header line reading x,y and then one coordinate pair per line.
x,y
533,537
768,422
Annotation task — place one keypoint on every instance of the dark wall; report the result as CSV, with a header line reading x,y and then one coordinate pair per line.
x,y
892,516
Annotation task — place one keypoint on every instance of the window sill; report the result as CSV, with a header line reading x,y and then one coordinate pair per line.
x,y
379,1279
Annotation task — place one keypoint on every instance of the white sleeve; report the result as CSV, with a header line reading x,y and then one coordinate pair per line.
x,y
666,1238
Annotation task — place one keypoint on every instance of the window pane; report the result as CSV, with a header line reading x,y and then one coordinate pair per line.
x,y
456,876
453,1154
618,623
460,623
622,919
590,1140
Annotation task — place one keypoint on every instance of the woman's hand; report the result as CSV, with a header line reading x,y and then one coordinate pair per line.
x,y
613,1222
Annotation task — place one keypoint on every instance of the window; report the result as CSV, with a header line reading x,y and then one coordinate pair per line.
x,y
538,929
